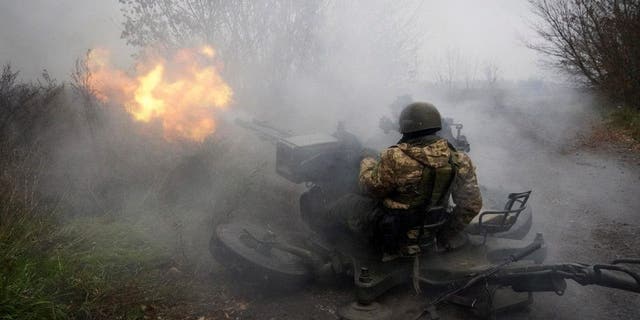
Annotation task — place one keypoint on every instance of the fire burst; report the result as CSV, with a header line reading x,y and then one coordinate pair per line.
x,y
182,92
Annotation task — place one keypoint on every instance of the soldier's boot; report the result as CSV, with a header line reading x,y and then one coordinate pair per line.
x,y
452,239
456,241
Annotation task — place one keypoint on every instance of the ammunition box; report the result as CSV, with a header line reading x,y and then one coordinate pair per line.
x,y
297,157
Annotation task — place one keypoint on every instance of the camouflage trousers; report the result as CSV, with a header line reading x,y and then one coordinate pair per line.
x,y
359,215
353,213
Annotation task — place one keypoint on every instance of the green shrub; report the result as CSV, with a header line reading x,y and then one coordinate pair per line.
x,y
91,268
29,273
628,119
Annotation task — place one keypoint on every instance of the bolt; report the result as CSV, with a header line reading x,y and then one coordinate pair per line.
x,y
364,275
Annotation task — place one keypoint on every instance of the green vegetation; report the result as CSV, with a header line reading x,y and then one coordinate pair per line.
x,y
596,41
627,119
64,252
92,268
29,276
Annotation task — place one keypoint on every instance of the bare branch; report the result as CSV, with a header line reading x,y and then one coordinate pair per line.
x,y
598,41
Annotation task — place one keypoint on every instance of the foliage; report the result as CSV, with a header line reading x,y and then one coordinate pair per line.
x,y
598,41
81,85
25,108
627,119
28,278
92,268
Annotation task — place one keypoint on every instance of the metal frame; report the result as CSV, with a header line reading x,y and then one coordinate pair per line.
x,y
519,199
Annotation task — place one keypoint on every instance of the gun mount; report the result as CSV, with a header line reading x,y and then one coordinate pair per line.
x,y
459,141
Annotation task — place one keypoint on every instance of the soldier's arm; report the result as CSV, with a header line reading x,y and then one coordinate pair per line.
x,y
376,176
466,192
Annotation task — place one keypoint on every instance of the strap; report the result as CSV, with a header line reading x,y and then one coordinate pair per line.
x,y
436,178
454,174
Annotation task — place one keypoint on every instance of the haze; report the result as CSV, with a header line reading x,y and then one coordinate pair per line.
x,y
41,34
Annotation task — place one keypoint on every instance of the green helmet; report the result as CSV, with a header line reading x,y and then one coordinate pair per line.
x,y
419,116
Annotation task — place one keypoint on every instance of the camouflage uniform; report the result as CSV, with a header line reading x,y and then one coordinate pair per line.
x,y
397,177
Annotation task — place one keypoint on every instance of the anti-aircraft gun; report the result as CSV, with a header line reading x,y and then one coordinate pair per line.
x,y
498,270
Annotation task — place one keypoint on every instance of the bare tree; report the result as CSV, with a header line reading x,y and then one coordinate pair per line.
x,y
597,41
25,108
491,73
264,43
471,74
388,31
81,85
275,36
457,71
448,68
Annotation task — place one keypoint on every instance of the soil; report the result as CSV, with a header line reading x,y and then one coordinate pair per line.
x,y
585,201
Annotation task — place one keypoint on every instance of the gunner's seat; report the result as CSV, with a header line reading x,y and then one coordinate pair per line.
x,y
403,234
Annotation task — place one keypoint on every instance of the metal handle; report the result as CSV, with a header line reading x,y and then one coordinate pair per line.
x,y
526,251
611,280
626,261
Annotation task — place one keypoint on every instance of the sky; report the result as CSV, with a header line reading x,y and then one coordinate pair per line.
x,y
51,34
487,30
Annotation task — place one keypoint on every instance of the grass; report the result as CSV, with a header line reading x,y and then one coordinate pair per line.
x,y
92,268
628,120
114,268
619,131
28,277
87,268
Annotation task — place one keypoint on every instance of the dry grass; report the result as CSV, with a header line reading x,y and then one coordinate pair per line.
x,y
605,135
618,132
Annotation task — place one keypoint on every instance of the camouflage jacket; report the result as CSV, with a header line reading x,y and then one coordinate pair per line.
x,y
398,172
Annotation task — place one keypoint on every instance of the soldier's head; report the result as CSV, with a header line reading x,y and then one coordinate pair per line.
x,y
420,118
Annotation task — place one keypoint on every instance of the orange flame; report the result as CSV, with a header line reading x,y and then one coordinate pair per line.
x,y
182,92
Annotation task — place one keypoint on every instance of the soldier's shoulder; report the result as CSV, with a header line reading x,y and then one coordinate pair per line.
x,y
391,149
392,153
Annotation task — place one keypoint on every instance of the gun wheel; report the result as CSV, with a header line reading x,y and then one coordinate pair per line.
x,y
238,247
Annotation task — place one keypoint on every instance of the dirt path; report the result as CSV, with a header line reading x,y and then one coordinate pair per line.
x,y
589,214
585,202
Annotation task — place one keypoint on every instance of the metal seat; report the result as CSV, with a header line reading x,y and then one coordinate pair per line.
x,y
500,221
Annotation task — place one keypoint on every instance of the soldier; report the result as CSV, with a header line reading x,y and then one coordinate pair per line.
x,y
423,171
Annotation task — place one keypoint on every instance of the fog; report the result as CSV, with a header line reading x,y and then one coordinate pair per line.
x,y
42,34
467,57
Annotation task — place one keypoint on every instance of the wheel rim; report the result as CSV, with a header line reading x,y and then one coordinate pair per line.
x,y
247,242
